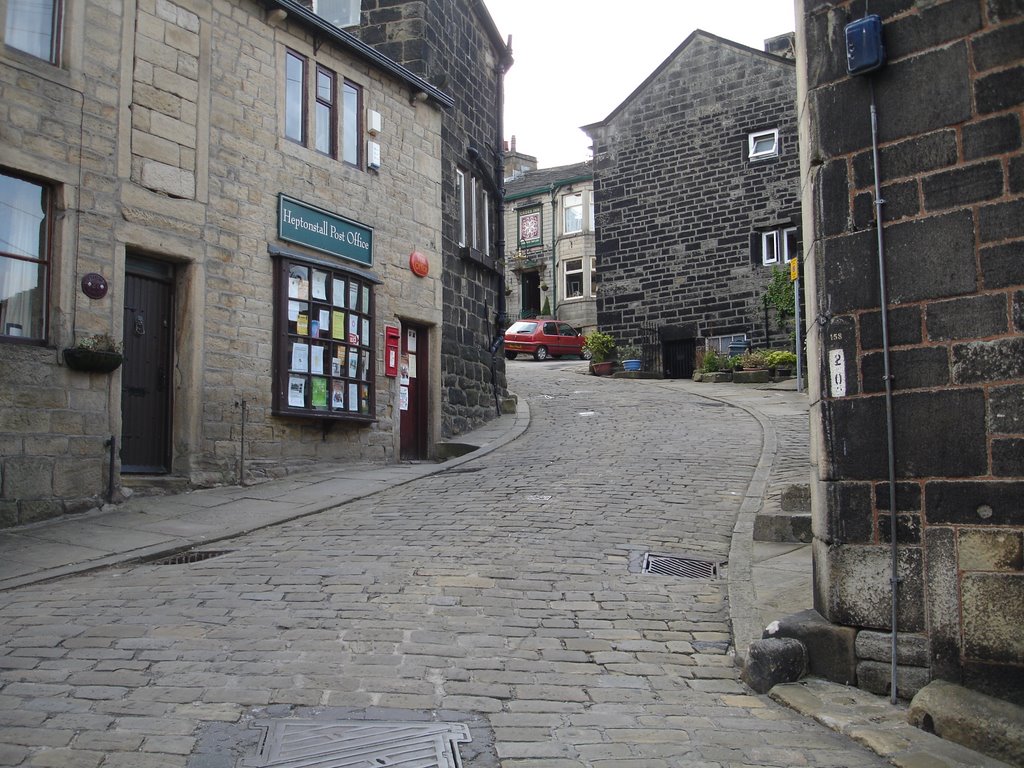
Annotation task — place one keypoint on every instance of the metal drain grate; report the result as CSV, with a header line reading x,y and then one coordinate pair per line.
x,y
190,556
359,744
683,567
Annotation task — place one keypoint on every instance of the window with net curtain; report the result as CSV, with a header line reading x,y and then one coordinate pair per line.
x,y
31,26
24,224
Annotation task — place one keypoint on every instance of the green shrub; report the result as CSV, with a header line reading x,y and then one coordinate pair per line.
x,y
601,346
712,362
780,358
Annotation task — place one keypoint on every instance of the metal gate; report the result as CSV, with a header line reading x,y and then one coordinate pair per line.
x,y
679,358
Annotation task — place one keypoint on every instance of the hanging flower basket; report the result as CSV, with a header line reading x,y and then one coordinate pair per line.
x,y
92,360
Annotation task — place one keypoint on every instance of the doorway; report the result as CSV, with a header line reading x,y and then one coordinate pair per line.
x,y
146,371
414,386
530,293
679,357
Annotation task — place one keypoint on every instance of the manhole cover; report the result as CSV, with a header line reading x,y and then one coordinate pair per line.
x,y
359,744
190,556
682,567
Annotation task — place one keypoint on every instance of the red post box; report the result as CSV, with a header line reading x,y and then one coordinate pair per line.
x,y
392,334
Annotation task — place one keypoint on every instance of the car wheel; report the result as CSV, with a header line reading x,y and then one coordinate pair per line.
x,y
586,354
541,353
511,355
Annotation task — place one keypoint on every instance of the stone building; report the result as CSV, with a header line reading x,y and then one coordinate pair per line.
x,y
696,187
549,263
248,199
948,101
455,45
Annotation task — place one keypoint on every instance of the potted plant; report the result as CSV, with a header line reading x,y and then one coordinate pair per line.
x,y
601,346
780,362
98,353
753,360
630,355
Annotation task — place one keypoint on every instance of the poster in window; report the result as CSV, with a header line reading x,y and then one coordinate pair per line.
x,y
337,396
297,391
353,399
403,398
353,328
403,371
302,324
293,311
364,365
412,366
316,359
364,399
366,298
353,296
325,321
410,339
319,285
366,331
298,282
353,363
319,392
338,292
337,325
300,357
336,365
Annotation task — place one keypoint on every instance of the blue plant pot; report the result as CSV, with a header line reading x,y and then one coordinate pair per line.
x,y
631,365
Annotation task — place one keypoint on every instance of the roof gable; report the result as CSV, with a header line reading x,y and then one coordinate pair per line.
x,y
678,59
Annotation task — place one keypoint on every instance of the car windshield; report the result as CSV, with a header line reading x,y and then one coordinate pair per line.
x,y
522,327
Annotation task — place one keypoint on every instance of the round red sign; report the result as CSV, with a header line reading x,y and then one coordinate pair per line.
x,y
418,264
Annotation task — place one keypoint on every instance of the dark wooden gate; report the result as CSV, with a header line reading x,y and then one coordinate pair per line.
x,y
678,357
146,372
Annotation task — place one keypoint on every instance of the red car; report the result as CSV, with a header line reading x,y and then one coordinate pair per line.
x,y
544,339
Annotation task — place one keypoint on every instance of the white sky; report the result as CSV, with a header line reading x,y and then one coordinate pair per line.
x,y
576,60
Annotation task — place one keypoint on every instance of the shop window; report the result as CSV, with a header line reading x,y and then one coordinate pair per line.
x,y
325,350
33,26
25,219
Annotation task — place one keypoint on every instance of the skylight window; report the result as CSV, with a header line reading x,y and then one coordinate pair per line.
x,y
341,13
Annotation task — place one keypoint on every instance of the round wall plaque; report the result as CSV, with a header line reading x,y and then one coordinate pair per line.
x,y
418,264
94,285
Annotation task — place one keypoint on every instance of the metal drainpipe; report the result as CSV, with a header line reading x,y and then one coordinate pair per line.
x,y
889,429
554,253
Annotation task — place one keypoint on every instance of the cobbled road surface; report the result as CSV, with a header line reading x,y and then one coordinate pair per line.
x,y
507,591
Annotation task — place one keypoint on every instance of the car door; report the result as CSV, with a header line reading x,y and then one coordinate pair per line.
x,y
569,341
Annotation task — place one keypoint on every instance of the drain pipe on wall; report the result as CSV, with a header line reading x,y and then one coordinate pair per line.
x,y
865,53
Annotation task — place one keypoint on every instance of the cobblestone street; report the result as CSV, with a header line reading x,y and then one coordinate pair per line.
x,y
507,592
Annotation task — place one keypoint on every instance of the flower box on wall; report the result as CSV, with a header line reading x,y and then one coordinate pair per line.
x,y
92,360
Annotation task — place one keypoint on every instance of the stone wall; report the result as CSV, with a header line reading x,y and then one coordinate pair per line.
x,y
951,166
452,45
678,200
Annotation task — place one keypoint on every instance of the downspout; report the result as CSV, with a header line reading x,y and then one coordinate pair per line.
x,y
554,253
887,375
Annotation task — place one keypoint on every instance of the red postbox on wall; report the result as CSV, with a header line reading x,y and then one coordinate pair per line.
x,y
391,341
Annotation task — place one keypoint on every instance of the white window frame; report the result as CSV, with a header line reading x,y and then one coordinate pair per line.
x,y
565,212
486,202
770,247
566,272
590,277
460,194
472,212
721,343
788,253
346,12
754,138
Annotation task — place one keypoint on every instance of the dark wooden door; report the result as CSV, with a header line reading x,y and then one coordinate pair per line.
x,y
415,378
146,372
